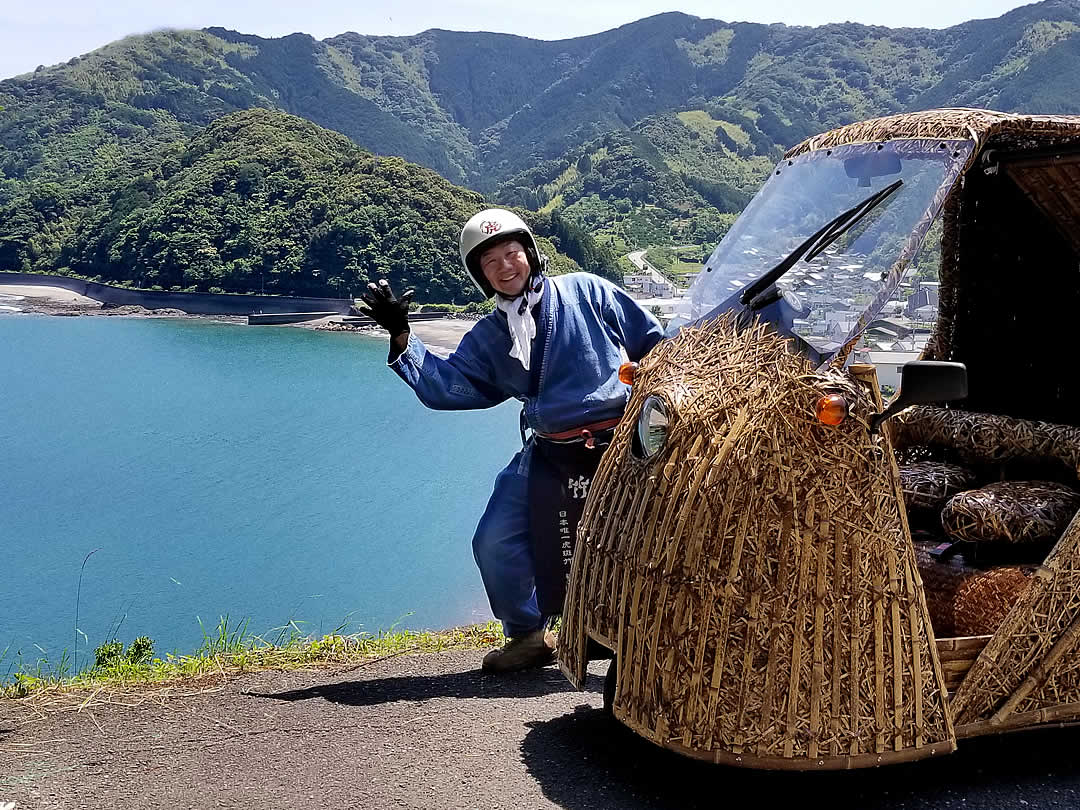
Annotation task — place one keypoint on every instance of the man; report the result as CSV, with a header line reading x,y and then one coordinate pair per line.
x,y
556,345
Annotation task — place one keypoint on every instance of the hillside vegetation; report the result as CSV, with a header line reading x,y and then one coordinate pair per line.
x,y
653,133
264,201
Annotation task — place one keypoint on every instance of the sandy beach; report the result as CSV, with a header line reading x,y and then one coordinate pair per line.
x,y
441,336
48,293
46,300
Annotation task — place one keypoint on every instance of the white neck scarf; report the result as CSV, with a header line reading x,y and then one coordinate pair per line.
x,y
520,320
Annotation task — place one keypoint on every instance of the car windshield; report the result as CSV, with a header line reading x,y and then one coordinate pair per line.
x,y
829,296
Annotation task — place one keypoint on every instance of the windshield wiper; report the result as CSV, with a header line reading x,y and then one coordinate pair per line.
x,y
755,296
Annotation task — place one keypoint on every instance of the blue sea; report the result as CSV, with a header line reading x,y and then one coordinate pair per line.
x,y
273,475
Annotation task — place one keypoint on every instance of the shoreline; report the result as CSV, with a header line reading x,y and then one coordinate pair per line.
x,y
28,299
243,653
440,336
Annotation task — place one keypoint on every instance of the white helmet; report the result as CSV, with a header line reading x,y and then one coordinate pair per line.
x,y
487,228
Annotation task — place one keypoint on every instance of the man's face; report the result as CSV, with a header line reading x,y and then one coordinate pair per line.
x,y
506,267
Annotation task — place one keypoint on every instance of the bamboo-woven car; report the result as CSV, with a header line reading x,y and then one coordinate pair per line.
x,y
747,550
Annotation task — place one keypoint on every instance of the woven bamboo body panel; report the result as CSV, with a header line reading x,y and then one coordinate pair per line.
x,y
757,580
995,233
950,123
1029,672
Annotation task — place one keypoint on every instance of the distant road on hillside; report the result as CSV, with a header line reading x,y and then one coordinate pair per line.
x,y
637,258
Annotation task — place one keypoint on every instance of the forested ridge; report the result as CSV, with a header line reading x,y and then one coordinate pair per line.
x,y
137,162
262,201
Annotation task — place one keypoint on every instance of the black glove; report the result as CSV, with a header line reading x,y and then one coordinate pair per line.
x,y
391,313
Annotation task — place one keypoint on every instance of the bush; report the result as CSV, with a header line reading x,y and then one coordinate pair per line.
x,y
108,653
480,307
141,650
111,653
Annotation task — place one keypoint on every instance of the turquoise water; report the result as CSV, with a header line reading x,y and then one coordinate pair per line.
x,y
264,473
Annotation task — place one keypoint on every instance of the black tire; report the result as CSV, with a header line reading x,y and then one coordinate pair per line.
x,y
610,681
597,651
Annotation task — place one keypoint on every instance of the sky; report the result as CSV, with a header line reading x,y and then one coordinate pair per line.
x,y
51,31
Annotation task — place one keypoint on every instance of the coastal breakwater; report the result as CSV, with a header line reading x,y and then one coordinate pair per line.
x,y
191,302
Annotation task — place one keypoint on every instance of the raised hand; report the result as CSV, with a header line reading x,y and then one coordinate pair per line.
x,y
391,313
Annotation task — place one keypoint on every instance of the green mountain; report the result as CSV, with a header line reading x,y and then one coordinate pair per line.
x,y
264,201
651,133
672,179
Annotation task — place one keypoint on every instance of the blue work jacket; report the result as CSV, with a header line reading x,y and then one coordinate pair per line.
x,y
585,328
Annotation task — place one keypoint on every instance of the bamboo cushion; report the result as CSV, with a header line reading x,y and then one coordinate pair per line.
x,y
982,602
1010,512
964,600
941,579
927,485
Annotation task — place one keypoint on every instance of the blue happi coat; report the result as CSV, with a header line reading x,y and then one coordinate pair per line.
x,y
586,327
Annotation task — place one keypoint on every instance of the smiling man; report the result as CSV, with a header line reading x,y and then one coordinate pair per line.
x,y
555,344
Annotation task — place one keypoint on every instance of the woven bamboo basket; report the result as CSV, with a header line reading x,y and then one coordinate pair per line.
x,y
757,581
984,600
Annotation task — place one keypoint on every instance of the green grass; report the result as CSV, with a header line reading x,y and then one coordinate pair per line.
x,y
676,262
687,260
699,120
229,649
711,50
735,132
552,204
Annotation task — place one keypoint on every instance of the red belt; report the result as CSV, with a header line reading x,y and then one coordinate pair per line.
x,y
587,432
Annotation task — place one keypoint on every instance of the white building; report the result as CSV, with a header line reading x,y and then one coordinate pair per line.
x,y
666,305
890,365
651,285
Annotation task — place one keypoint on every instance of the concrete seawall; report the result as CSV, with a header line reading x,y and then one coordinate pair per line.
x,y
193,303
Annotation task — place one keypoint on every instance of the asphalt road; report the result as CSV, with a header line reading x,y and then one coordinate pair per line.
x,y
433,732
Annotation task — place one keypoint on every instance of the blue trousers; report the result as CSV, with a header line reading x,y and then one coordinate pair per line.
x,y
503,551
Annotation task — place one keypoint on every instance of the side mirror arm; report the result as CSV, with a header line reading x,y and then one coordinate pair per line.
x,y
878,419
925,381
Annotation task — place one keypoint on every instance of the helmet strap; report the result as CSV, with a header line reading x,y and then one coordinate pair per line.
x,y
535,282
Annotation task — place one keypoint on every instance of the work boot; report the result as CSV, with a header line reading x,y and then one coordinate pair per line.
x,y
530,650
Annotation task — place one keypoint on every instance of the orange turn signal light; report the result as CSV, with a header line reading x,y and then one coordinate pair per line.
x,y
831,409
627,371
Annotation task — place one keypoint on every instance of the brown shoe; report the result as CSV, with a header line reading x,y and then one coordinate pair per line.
x,y
534,649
